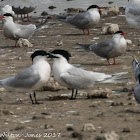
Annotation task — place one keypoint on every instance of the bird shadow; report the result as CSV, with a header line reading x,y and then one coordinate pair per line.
x,y
7,47
94,64
72,34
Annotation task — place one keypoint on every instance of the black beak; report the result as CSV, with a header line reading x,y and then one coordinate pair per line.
x,y
49,55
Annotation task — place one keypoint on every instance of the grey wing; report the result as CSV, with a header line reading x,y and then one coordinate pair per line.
x,y
103,48
77,79
25,79
24,31
80,20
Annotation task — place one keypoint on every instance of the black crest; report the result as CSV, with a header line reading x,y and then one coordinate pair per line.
x,y
139,78
37,53
7,15
92,6
119,32
64,53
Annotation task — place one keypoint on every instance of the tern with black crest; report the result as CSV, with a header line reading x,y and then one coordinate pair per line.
x,y
32,78
76,78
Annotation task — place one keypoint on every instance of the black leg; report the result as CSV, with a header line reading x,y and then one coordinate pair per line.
x,y
31,98
72,95
76,93
35,98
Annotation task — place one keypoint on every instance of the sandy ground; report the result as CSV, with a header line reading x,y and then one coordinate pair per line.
x,y
52,119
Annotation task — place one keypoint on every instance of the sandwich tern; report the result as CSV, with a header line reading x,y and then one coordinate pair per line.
x,y
76,78
31,78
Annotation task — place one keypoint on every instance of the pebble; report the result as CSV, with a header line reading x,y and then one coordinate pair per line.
x,y
52,85
76,134
44,13
51,7
102,93
117,104
110,11
48,126
20,128
126,130
88,127
2,89
108,136
110,29
24,43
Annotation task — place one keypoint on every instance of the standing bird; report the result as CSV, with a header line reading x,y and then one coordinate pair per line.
x,y
16,31
136,70
84,20
7,9
132,13
22,7
110,48
76,78
32,78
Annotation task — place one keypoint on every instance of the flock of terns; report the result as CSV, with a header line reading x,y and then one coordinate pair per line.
x,y
67,75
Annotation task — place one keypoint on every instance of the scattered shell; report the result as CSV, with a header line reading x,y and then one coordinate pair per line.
x,y
102,93
59,43
110,29
129,41
24,43
110,11
108,136
2,89
88,127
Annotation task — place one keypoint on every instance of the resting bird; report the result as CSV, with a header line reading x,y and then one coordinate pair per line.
x,y
110,48
84,20
32,78
76,78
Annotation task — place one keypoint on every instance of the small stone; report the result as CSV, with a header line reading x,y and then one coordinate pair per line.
x,y
44,13
51,7
127,130
7,112
60,43
2,89
70,128
88,127
74,10
129,41
108,136
38,117
76,134
117,104
110,29
19,127
48,126
24,43
112,11
103,93
110,2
